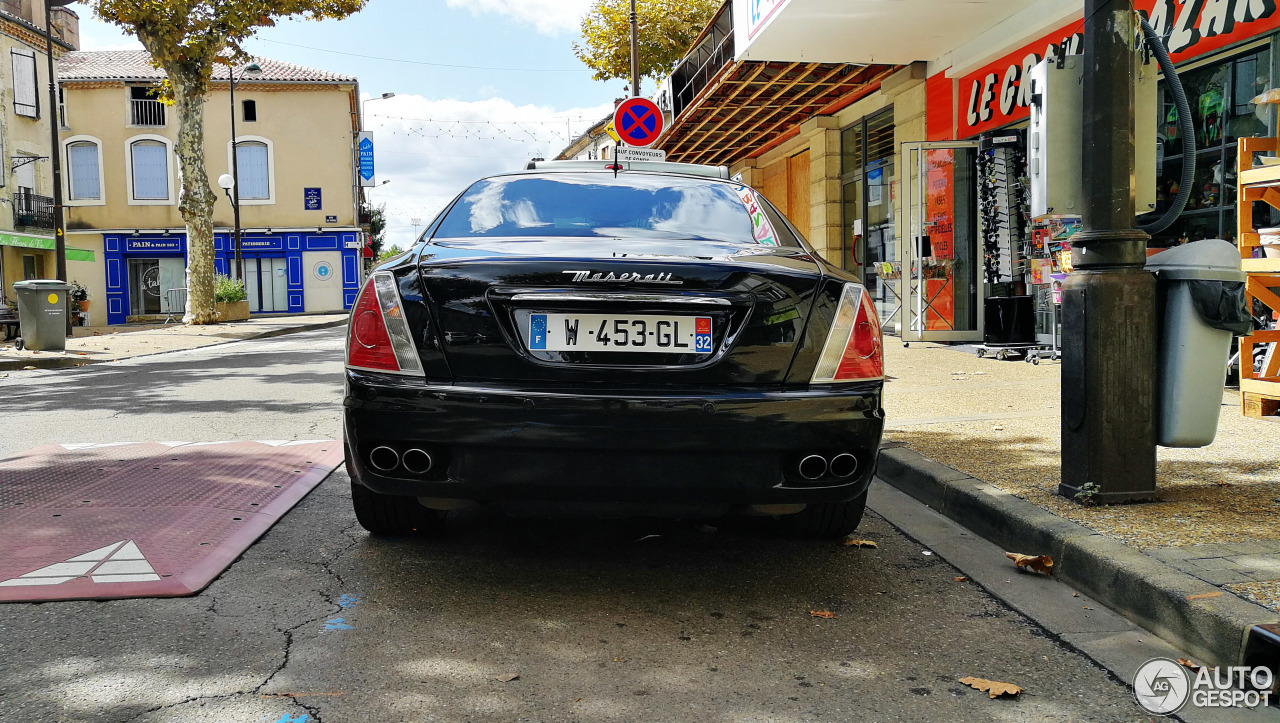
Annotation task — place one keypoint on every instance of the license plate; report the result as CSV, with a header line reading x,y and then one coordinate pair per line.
x,y
615,332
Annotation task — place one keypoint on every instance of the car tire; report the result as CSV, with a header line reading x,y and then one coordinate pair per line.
x,y
825,520
393,516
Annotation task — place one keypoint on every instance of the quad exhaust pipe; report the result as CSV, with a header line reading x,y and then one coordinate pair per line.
x,y
384,459
816,466
414,461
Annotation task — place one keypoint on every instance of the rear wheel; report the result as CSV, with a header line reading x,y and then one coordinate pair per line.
x,y
391,515
825,519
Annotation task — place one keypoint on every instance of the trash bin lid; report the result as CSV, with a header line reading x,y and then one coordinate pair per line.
x,y
41,284
1211,260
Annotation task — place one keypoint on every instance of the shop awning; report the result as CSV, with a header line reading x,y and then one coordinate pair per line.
x,y
45,243
870,31
753,105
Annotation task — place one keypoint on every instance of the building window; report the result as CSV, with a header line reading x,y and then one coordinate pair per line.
x,y
62,108
32,267
253,159
26,99
868,240
84,162
144,108
250,111
149,162
1219,96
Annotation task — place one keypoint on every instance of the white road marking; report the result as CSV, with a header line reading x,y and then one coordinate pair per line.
x,y
118,562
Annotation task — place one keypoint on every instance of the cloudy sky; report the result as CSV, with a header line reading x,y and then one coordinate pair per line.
x,y
481,86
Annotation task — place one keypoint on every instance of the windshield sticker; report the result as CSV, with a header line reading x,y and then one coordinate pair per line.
x,y
761,229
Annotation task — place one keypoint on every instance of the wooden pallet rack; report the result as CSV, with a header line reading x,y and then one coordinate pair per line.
x,y
1260,393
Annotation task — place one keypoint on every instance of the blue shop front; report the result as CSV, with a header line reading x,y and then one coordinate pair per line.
x,y
286,272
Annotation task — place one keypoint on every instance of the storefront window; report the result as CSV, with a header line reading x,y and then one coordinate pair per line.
x,y
867,173
1219,96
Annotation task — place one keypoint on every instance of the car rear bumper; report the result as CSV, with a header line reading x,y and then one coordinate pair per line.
x,y
705,447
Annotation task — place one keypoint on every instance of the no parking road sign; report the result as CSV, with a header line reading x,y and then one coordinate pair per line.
x,y
638,121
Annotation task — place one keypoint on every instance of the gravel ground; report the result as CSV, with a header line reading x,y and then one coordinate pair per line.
x,y
999,422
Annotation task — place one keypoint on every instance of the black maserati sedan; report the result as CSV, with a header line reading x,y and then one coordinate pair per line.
x,y
601,338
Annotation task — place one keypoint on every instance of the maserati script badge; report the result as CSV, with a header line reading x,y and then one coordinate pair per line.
x,y
623,278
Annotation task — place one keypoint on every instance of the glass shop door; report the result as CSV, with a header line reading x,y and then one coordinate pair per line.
x,y
941,247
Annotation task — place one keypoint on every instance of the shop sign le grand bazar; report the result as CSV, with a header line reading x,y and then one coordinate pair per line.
x,y
996,94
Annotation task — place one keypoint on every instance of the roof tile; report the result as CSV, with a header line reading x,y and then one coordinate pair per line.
x,y
135,65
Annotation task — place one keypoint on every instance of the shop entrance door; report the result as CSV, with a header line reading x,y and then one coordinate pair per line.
x,y
267,285
150,281
941,251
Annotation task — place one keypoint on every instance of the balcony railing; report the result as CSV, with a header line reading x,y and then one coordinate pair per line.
x,y
146,113
31,210
713,51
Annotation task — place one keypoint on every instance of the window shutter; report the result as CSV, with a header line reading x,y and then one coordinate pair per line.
x,y
85,183
254,171
26,99
150,171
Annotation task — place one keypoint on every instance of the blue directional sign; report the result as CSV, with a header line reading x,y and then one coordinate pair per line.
x,y
312,199
365,150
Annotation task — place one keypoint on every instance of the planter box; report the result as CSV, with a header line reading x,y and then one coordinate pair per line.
x,y
232,311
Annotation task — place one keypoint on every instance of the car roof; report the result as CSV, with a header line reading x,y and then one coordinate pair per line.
x,y
682,169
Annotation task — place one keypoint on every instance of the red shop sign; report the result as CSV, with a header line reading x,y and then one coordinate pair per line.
x,y
997,95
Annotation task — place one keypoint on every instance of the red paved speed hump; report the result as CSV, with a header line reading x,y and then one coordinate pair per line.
x,y
151,519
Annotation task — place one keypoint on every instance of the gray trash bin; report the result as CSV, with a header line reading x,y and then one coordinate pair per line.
x,y
1201,290
42,314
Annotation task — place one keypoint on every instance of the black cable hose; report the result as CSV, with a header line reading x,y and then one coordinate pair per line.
x,y
1185,128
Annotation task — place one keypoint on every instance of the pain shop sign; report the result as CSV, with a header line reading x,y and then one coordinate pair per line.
x,y
999,93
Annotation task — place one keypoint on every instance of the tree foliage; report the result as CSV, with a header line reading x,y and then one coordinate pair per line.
x,y
187,38
665,30
377,228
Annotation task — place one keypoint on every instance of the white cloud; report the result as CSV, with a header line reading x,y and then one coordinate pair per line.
x,y
550,17
432,149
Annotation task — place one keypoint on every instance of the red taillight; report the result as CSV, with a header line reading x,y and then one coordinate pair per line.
x,y
853,349
379,337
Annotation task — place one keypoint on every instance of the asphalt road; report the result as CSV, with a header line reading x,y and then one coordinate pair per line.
x,y
633,620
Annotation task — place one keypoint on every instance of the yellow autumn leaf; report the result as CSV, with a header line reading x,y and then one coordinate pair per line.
x,y
1038,563
993,688
824,614
855,542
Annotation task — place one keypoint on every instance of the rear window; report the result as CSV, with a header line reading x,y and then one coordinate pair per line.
x,y
601,205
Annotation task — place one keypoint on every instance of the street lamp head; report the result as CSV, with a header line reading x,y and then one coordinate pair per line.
x,y
253,69
388,95
226,182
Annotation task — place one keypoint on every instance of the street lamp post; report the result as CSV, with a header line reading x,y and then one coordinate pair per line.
x,y
228,184
55,150
233,191
367,101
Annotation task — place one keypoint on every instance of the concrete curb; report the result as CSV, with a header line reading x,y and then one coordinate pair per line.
x,y
66,362
1139,587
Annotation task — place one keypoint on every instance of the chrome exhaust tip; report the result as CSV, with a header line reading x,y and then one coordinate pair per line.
x,y
416,461
384,459
844,465
812,467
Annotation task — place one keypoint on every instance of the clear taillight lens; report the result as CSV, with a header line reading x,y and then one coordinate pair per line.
x,y
379,338
853,351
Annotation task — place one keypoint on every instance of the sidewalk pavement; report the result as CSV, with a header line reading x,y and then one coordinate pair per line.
x,y
95,344
978,440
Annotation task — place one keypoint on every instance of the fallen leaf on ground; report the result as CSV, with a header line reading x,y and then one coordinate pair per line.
x,y
998,429
1038,563
855,542
824,614
506,677
993,688
961,578
1189,664
1204,595
1075,594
